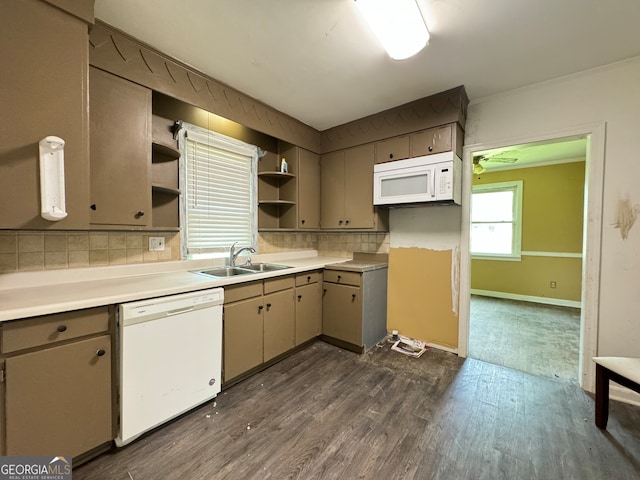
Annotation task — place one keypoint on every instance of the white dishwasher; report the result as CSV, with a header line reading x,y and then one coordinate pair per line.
x,y
170,358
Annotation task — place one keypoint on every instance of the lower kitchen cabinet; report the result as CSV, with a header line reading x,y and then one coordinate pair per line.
x,y
258,324
354,307
308,306
279,323
341,313
57,393
243,336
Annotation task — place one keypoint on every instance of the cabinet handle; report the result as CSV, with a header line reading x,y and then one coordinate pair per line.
x,y
302,221
309,278
339,222
100,352
268,305
391,155
339,277
61,328
260,307
299,297
353,296
430,148
324,290
347,222
93,206
139,213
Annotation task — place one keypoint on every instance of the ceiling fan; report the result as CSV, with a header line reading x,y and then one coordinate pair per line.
x,y
498,157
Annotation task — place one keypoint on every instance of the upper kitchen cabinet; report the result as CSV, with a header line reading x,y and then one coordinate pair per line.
x,y
307,168
44,92
346,178
437,140
289,200
396,148
120,128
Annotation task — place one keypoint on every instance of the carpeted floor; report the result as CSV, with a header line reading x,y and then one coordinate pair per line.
x,y
530,337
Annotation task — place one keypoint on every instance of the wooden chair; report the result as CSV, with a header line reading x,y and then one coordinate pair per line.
x,y
622,370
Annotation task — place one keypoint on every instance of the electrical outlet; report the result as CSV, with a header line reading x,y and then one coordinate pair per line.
x,y
552,284
156,244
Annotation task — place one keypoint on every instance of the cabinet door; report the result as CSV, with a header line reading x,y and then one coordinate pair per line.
x,y
59,399
433,140
308,312
396,148
308,190
341,313
242,335
332,178
120,153
358,196
279,323
44,54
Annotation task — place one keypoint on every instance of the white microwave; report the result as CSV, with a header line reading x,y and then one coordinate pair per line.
x,y
432,178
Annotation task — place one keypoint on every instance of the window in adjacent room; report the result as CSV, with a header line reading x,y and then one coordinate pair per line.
x,y
218,204
496,220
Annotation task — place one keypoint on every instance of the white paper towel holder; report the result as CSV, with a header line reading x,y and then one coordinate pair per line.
x,y
52,199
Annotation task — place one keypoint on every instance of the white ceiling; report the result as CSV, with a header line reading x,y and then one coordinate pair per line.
x,y
317,61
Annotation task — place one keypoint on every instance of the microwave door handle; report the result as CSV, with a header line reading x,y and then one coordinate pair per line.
x,y
433,182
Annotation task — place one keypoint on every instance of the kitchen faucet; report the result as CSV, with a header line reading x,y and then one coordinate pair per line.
x,y
233,255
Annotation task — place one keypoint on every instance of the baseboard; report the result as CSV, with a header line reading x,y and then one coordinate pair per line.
x,y
527,298
440,347
622,394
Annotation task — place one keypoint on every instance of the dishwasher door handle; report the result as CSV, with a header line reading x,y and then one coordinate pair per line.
x,y
178,311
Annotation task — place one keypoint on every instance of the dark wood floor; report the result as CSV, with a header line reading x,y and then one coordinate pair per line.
x,y
325,413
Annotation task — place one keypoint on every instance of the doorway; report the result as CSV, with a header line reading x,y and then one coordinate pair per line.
x,y
588,298
527,206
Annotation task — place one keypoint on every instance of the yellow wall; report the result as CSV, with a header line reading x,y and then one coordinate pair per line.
x,y
552,221
419,300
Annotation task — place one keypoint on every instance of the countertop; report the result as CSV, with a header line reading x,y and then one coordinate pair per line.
x,y
28,294
362,262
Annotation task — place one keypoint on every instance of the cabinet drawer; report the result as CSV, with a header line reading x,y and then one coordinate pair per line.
x,y
392,149
242,291
345,278
48,329
307,278
279,283
433,140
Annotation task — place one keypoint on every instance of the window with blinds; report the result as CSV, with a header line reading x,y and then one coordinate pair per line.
x,y
219,178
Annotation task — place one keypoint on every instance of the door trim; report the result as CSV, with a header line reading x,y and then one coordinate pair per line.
x,y
592,231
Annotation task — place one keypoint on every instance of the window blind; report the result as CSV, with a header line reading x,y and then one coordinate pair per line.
x,y
220,191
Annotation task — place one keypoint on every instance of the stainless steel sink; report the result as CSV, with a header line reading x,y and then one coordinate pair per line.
x,y
223,272
264,267
226,271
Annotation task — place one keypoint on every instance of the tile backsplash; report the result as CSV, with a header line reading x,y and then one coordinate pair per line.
x,y
28,250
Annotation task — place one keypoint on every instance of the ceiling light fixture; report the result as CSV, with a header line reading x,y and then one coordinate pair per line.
x,y
477,168
398,24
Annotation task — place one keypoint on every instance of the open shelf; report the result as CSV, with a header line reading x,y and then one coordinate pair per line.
x,y
165,189
278,175
163,152
276,202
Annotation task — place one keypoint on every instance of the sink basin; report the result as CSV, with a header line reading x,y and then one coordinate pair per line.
x,y
264,267
226,271
243,270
